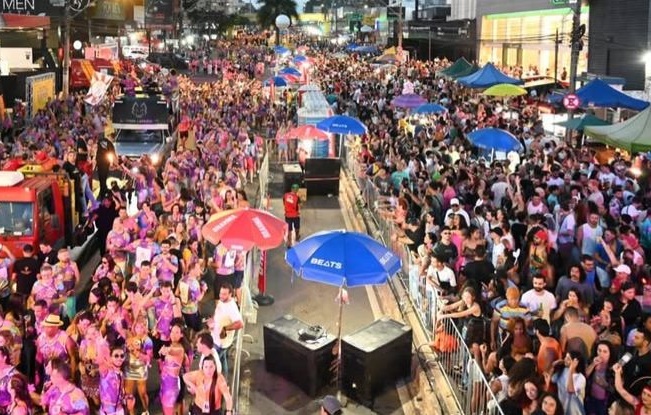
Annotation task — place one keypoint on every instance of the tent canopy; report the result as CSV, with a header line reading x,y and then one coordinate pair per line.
x,y
458,66
486,77
599,94
632,135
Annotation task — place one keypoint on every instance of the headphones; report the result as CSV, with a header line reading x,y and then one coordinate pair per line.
x,y
311,334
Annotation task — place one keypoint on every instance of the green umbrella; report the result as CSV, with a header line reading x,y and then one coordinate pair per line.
x,y
582,122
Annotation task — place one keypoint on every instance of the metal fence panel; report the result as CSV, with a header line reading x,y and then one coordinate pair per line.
x,y
457,361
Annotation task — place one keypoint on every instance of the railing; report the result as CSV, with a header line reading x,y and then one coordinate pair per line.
x,y
248,307
455,359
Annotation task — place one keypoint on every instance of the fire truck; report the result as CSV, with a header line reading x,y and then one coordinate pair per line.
x,y
39,207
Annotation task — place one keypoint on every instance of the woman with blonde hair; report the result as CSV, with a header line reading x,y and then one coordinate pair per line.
x,y
140,350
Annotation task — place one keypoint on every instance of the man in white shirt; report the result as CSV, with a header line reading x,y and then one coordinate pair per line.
x,y
206,347
440,276
538,300
226,320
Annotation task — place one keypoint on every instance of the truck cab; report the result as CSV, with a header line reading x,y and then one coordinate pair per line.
x,y
36,208
142,128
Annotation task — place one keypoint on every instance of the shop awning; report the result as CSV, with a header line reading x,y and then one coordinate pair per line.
x,y
9,21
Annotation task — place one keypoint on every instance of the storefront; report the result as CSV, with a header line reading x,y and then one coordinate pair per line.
x,y
523,34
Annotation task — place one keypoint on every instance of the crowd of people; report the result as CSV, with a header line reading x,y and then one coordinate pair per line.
x,y
539,257
147,319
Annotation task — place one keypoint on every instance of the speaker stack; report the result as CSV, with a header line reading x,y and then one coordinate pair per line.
x,y
322,176
374,357
305,364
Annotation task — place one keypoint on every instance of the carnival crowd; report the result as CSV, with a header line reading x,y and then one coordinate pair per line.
x,y
540,256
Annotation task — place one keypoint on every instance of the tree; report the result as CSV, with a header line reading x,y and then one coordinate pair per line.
x,y
272,8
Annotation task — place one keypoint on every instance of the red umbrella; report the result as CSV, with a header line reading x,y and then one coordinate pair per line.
x,y
307,132
292,79
242,229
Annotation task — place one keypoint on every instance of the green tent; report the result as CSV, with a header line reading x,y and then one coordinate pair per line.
x,y
632,135
460,65
579,123
465,72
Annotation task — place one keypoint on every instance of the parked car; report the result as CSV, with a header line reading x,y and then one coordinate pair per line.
x,y
168,60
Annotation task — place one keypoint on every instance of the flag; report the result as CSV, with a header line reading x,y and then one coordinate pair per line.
x,y
99,84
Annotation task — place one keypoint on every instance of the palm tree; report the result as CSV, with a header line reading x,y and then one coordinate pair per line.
x,y
272,8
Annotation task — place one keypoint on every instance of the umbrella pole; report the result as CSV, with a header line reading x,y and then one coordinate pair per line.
x,y
340,396
341,143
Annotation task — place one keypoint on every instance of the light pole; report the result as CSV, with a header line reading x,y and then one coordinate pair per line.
x,y
282,23
66,50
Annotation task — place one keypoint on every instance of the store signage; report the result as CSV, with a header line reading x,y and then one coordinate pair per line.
x,y
571,101
159,13
33,7
109,10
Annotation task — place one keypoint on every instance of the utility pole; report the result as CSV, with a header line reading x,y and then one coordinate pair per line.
x,y
66,49
574,61
429,44
556,42
400,25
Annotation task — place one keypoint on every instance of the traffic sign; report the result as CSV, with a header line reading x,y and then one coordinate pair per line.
x,y
571,101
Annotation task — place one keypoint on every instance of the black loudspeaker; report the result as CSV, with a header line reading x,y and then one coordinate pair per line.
x,y
322,176
305,364
292,174
374,357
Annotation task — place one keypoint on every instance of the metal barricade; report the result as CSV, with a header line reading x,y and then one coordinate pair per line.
x,y
463,373
248,308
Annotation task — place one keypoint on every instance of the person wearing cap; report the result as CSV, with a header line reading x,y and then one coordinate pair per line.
x,y
291,203
456,209
330,406
55,343
504,312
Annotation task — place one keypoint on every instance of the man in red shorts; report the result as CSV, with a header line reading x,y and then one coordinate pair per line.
x,y
292,216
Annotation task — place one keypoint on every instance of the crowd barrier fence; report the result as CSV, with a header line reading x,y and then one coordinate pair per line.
x,y
455,359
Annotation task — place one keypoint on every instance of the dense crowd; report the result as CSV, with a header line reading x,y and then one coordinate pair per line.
x,y
64,349
539,257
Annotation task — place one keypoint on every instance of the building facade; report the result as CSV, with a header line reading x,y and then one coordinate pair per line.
x,y
621,45
523,34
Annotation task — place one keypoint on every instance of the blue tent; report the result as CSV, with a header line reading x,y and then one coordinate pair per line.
x,y
599,94
366,49
486,77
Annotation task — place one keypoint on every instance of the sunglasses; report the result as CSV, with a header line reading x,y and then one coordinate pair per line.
x,y
118,356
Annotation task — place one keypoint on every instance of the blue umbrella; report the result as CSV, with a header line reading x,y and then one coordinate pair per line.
x,y
343,258
290,71
366,49
300,59
351,47
430,108
277,81
280,50
408,101
494,139
342,124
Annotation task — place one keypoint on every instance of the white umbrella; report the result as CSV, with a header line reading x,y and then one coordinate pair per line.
x,y
366,29
309,87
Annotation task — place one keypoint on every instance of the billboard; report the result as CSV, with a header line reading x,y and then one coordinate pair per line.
x,y
109,10
33,7
40,89
159,13
140,111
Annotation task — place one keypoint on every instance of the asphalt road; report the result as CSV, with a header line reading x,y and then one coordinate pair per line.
x,y
311,302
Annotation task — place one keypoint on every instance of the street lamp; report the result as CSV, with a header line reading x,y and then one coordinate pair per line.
x,y
282,23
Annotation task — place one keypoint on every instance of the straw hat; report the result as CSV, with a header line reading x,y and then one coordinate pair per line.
x,y
52,320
